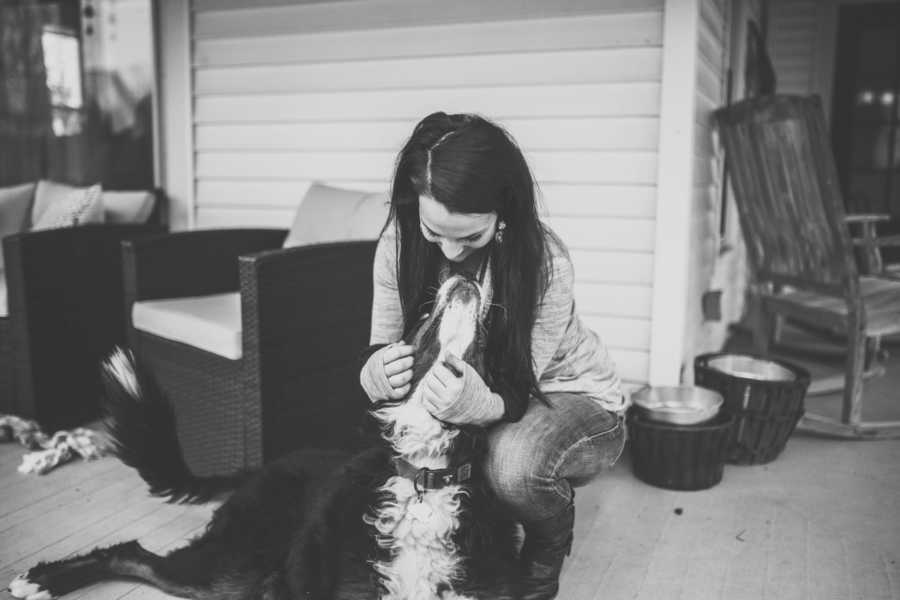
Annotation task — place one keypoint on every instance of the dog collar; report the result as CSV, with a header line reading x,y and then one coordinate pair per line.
x,y
433,479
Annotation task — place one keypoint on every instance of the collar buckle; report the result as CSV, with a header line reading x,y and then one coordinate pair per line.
x,y
425,479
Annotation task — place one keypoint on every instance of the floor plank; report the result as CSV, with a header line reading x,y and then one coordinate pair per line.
x,y
820,522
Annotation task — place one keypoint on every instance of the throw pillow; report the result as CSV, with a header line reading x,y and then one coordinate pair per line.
x,y
128,207
330,214
76,208
15,207
48,193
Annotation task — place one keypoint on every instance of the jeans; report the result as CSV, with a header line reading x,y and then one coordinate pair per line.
x,y
533,464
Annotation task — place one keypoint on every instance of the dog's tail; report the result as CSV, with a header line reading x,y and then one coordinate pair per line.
x,y
141,425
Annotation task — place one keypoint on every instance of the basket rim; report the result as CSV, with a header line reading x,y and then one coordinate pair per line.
x,y
802,375
722,420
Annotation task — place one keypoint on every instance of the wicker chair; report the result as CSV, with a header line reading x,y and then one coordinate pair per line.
x,y
65,315
305,314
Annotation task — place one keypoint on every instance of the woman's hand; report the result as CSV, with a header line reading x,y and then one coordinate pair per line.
x,y
454,392
387,373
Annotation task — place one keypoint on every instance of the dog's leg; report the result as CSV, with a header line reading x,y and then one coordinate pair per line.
x,y
334,540
126,560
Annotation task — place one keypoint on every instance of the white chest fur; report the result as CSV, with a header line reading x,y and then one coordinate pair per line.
x,y
417,526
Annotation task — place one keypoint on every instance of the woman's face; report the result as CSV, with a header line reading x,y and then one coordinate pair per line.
x,y
457,234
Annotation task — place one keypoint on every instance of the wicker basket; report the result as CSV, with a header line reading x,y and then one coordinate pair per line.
x,y
678,457
765,396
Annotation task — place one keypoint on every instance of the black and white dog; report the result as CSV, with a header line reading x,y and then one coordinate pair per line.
x,y
407,520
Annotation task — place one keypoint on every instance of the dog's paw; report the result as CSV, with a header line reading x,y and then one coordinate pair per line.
x,y
23,587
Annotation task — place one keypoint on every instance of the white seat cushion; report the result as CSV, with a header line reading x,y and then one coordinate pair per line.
x,y
4,305
211,323
330,214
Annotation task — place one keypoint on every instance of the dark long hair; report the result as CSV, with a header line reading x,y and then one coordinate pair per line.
x,y
471,165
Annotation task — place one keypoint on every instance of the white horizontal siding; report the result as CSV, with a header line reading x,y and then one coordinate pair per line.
x,y
572,200
251,18
627,168
289,93
793,25
711,93
614,99
537,68
536,134
592,31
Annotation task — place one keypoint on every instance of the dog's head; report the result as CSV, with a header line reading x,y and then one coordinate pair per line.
x,y
455,325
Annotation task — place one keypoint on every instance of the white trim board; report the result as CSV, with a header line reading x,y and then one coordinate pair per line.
x,y
674,191
176,111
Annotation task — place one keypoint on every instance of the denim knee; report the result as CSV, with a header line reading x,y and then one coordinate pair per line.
x,y
533,464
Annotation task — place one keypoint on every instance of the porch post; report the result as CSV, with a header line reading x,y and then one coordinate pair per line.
x,y
674,190
176,127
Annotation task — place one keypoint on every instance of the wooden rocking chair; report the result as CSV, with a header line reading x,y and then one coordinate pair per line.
x,y
799,244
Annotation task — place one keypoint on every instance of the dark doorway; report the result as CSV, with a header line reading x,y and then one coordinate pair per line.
x,y
865,131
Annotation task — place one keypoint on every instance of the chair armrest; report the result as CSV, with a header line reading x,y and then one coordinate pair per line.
x,y
869,242
190,263
321,291
864,218
306,315
887,241
72,260
66,313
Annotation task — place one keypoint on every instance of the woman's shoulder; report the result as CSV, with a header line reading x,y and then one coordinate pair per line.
x,y
558,263
387,241
557,252
554,245
386,254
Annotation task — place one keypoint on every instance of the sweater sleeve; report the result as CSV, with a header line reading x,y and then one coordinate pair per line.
x,y
554,312
387,314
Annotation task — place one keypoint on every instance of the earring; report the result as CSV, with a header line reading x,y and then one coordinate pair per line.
x,y
498,235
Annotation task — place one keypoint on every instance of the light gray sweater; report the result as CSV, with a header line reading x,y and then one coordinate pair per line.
x,y
567,355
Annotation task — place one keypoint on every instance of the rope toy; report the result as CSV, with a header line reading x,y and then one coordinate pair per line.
x,y
48,452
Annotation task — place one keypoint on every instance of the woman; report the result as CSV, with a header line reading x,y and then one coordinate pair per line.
x,y
463,201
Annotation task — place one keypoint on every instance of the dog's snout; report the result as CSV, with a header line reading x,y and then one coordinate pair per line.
x,y
463,290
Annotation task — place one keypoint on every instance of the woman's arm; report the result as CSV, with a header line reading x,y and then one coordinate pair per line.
x,y
387,313
553,319
385,366
554,312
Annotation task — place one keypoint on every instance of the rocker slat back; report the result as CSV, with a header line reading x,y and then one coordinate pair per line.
x,y
787,194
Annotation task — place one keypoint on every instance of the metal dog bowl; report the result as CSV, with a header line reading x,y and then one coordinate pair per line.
x,y
766,398
678,405
748,367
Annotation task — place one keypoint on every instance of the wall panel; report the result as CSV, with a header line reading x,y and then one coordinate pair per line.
x,y
286,93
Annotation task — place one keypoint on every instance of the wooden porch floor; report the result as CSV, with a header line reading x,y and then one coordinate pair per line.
x,y
820,522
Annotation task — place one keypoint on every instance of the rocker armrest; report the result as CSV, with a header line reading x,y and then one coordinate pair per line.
x,y
864,218
887,240
881,240
869,240
190,263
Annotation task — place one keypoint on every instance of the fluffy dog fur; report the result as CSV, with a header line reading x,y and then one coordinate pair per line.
x,y
317,524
